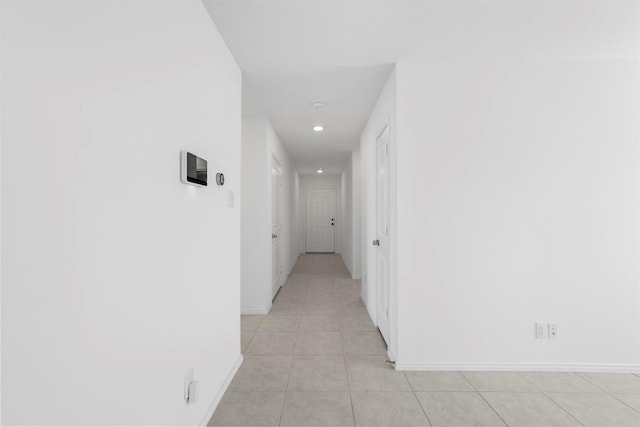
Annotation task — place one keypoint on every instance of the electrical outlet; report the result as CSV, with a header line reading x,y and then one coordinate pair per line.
x,y
553,330
542,330
188,379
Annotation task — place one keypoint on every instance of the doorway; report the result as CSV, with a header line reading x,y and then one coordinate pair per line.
x,y
320,220
381,241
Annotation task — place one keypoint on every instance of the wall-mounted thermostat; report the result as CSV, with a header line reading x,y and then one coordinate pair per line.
x,y
220,178
193,169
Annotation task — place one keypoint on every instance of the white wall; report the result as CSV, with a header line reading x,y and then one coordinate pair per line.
x,y
350,211
256,222
260,145
297,236
346,209
384,113
320,181
518,201
517,188
116,277
355,214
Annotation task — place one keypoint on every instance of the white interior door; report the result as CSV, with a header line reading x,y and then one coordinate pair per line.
x,y
276,227
382,231
321,214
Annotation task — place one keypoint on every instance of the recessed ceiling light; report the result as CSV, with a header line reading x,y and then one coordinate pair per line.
x,y
320,170
318,128
318,103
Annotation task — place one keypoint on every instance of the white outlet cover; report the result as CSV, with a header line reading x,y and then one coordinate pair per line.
x,y
542,330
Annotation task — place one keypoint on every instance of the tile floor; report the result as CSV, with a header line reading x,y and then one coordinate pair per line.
x,y
318,360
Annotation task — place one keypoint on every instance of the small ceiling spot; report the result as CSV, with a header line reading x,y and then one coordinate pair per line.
x,y
320,170
318,128
318,103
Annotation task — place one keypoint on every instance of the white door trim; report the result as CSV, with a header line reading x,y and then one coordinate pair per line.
x,y
276,243
382,258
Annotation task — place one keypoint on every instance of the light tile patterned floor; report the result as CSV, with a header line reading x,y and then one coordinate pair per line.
x,y
318,360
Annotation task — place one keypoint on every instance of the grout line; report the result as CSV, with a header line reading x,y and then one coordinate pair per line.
x,y
467,380
344,359
549,397
483,398
246,350
592,383
346,371
623,402
286,389
328,271
424,411
293,355
606,392
295,343
560,406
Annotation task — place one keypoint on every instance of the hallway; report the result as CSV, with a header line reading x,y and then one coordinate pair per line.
x,y
318,360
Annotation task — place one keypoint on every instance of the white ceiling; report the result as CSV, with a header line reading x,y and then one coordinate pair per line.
x,y
292,52
285,97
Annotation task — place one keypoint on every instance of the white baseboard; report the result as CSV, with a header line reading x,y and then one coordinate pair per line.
x,y
390,355
522,367
223,389
255,311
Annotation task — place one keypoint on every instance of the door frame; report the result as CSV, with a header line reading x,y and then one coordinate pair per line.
x,y
388,122
275,164
381,297
335,213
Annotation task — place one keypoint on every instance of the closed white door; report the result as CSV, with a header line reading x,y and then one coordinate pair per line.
x,y
381,241
321,214
276,229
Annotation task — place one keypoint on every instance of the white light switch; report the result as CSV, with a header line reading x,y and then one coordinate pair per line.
x,y
231,198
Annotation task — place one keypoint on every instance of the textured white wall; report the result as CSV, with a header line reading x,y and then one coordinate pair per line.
x,y
518,202
297,244
517,188
350,232
116,277
346,205
256,218
356,212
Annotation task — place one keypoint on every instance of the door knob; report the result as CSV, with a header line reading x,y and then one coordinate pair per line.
x,y
376,242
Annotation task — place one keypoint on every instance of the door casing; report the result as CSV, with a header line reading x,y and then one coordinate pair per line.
x,y
276,226
382,234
